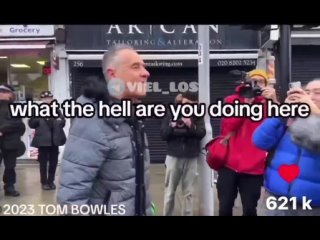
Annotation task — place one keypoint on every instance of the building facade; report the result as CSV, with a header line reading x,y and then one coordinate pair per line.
x,y
34,58
305,50
305,54
170,54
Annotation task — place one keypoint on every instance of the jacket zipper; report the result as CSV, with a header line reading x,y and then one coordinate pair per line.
x,y
107,198
299,158
134,147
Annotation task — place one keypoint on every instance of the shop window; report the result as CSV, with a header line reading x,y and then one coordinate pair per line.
x,y
3,69
27,71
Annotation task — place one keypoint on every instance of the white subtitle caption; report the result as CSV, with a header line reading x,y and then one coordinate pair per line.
x,y
72,109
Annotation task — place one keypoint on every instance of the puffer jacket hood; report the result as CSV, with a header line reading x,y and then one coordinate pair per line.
x,y
305,132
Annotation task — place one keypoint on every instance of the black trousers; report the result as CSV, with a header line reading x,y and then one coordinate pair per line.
x,y
249,186
10,159
48,154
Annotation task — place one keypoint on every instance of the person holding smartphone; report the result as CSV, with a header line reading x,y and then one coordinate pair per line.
x,y
294,144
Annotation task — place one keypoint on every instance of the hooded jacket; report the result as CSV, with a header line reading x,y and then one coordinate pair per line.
x,y
296,145
98,165
243,155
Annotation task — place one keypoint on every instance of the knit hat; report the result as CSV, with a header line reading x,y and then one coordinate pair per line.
x,y
260,73
46,94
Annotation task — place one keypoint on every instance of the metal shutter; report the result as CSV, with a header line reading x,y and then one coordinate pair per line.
x,y
305,63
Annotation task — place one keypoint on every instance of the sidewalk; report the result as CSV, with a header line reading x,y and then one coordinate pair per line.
x,y
157,190
31,193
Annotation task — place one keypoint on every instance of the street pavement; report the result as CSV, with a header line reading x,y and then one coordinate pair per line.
x,y
31,193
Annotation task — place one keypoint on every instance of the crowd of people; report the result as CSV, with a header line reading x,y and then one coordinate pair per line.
x,y
102,155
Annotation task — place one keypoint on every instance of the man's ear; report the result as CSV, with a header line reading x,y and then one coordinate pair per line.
x,y
110,73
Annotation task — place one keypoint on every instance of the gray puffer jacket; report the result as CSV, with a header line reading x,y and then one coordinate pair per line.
x,y
98,166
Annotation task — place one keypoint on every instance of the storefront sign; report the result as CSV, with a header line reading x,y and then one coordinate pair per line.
x,y
26,30
172,63
158,37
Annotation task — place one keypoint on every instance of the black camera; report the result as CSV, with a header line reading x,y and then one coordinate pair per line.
x,y
249,89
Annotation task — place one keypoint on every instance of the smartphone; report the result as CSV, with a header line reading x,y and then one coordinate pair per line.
x,y
294,85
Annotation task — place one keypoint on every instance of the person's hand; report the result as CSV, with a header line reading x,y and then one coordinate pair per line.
x,y
269,93
300,96
187,121
292,97
248,100
289,99
173,124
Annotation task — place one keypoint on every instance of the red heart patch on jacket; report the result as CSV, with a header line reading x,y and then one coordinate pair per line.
x,y
289,172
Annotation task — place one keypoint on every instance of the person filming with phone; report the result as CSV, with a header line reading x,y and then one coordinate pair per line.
x,y
244,164
293,146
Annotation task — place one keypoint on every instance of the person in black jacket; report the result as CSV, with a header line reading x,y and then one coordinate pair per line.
x,y
183,139
49,135
11,146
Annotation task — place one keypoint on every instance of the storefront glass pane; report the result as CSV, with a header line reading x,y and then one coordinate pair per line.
x,y
23,69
